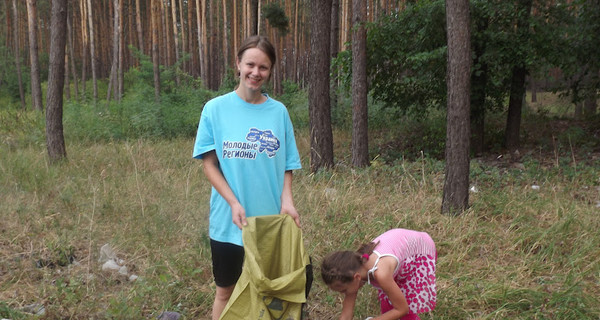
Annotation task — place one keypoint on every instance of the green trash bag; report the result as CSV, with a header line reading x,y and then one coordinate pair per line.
x,y
273,284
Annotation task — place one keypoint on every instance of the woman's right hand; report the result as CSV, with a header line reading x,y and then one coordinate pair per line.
x,y
238,215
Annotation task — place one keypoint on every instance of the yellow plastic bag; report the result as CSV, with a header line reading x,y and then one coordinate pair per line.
x,y
273,283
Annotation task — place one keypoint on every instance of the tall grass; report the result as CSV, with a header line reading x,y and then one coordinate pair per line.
x,y
518,252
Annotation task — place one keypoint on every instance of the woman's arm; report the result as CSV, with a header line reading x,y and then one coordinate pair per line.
x,y
287,201
211,169
385,277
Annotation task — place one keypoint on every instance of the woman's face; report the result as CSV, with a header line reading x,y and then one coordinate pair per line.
x,y
255,69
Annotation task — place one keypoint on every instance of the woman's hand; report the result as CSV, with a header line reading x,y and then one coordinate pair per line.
x,y
238,215
287,201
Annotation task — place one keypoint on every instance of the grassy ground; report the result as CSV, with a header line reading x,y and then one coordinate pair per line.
x,y
527,248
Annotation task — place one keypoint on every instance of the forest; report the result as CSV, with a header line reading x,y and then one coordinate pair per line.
x,y
476,121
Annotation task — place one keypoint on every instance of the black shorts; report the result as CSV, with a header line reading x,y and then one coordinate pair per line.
x,y
227,261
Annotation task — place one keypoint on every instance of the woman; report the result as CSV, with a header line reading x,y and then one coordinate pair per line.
x,y
246,142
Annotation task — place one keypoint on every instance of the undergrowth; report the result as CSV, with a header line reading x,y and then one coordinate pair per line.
x,y
525,249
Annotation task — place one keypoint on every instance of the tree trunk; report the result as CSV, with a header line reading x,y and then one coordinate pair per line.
x,y
155,52
254,17
92,50
321,135
186,30
138,24
120,74
17,52
84,49
72,55
517,86
335,47
36,87
176,38
112,82
456,182
360,135
56,76
225,38
201,24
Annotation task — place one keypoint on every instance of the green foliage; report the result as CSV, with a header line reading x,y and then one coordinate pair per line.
x,y
138,115
407,57
296,101
9,82
275,14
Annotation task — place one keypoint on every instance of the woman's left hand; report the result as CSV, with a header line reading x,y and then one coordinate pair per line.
x,y
291,210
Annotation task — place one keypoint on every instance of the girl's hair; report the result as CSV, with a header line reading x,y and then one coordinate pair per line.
x,y
261,43
342,265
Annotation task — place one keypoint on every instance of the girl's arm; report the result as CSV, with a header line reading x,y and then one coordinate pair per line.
x,y
287,201
210,164
385,277
348,306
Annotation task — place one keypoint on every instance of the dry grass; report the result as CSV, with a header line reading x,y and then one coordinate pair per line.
x,y
516,253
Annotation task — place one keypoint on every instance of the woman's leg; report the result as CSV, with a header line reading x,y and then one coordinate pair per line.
x,y
221,298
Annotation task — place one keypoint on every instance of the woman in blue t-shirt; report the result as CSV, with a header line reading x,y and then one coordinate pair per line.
x,y
246,142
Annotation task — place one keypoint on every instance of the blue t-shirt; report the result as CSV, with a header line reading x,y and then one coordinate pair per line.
x,y
255,145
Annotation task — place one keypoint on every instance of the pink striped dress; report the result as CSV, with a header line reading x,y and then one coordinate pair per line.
x,y
415,273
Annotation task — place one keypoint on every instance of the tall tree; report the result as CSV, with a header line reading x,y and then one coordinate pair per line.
x,y
138,24
176,38
113,81
201,25
517,85
456,182
92,50
335,46
84,47
36,87
55,140
360,135
17,52
71,55
155,53
321,135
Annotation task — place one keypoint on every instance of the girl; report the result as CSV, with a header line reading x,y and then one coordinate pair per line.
x,y
246,142
400,263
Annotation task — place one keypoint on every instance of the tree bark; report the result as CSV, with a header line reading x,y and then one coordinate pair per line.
x,y
36,87
254,14
517,86
56,76
176,39
335,47
360,135
155,52
92,50
321,135
112,82
17,52
456,182
201,24
138,24
84,49
72,55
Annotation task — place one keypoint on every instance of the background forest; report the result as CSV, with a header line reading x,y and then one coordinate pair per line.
x,y
138,72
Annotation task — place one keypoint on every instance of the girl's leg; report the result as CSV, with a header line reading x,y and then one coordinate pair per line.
x,y
411,316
